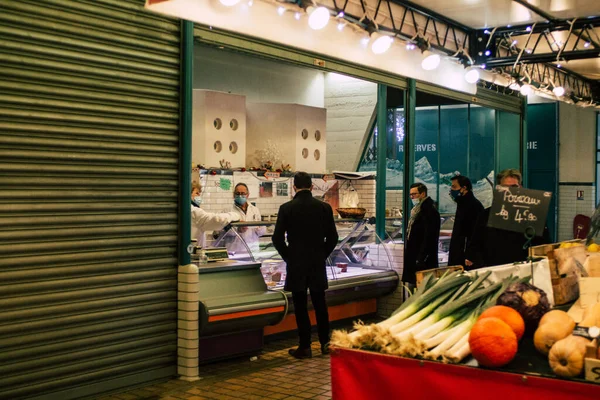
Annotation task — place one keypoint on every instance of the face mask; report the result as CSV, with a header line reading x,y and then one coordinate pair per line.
x,y
415,201
455,194
240,200
197,200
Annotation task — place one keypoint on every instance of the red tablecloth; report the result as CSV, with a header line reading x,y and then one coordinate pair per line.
x,y
361,375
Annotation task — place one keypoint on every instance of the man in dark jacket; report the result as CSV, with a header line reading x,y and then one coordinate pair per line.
x,y
491,246
422,234
311,237
468,209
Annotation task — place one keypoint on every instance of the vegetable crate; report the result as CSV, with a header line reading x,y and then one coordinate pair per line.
x,y
437,272
592,362
562,263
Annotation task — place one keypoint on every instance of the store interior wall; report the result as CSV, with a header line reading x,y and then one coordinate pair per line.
x,y
350,105
577,165
349,102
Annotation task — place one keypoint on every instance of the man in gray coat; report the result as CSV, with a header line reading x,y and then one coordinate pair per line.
x,y
311,237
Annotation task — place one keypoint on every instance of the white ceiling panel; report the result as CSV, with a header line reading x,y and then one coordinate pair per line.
x,y
567,9
483,13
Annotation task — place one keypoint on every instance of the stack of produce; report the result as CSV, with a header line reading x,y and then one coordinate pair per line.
x,y
434,323
555,338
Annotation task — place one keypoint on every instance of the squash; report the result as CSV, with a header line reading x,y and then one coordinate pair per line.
x,y
567,355
591,316
549,333
493,343
508,315
558,316
554,326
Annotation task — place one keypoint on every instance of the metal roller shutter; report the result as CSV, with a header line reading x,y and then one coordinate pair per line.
x,y
89,116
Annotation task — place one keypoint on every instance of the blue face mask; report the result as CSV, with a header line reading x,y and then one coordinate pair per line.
x,y
197,200
455,194
240,200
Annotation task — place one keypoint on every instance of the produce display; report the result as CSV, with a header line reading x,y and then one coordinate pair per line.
x,y
434,323
459,315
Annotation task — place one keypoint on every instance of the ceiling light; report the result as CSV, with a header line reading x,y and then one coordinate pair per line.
x,y
341,26
229,3
558,91
526,90
364,41
380,43
250,3
487,53
472,75
341,14
514,86
317,17
586,44
410,46
528,29
430,61
280,11
297,16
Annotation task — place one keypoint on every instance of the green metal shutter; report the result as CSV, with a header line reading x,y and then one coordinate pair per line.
x,y
89,115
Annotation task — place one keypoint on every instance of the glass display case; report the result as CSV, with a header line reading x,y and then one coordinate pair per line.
x,y
360,254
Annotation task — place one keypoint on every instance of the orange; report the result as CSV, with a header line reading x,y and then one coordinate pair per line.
x,y
493,343
508,315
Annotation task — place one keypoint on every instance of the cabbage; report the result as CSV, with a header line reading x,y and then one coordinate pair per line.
x,y
530,301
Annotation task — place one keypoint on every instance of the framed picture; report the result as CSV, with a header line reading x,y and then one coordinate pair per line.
x,y
266,189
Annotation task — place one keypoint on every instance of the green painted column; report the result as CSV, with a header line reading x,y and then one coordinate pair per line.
x,y
524,165
185,142
381,160
410,103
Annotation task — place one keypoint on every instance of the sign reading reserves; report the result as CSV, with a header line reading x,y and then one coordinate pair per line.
x,y
519,210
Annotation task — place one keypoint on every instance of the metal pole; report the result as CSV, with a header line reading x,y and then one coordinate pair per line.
x,y
410,103
524,165
185,143
381,160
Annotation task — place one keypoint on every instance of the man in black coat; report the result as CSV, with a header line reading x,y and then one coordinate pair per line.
x,y
468,209
491,246
311,237
422,234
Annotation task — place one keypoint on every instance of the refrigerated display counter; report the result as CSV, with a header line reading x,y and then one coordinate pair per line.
x,y
359,269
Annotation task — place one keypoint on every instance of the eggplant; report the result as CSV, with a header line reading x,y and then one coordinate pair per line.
x,y
531,302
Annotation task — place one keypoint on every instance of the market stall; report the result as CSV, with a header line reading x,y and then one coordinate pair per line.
x,y
492,333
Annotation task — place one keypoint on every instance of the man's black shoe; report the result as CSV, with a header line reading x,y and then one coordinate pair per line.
x,y
325,349
300,353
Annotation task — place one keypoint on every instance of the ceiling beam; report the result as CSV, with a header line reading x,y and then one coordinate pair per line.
x,y
545,57
549,17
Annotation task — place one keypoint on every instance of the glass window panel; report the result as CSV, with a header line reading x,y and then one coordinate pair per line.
x,y
481,152
426,149
453,149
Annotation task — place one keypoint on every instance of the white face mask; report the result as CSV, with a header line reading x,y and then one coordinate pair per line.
x,y
197,200
415,201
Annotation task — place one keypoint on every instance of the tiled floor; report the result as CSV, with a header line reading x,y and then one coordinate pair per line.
x,y
274,375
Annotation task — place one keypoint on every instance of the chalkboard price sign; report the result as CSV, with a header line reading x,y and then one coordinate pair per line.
x,y
519,210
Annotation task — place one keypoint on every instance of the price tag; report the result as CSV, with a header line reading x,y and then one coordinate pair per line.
x,y
589,333
519,210
269,174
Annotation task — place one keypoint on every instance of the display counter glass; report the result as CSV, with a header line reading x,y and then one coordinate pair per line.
x,y
360,254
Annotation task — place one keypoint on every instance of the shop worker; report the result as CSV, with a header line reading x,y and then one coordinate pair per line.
x,y
203,221
247,213
491,246
422,234
468,209
311,237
